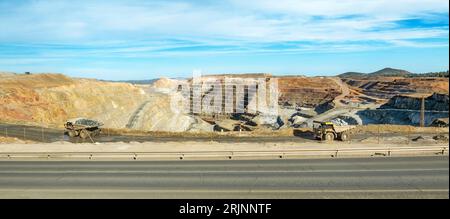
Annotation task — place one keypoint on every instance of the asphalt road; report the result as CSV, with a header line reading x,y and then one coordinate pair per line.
x,y
401,177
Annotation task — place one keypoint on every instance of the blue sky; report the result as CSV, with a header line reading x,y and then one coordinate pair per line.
x,y
147,39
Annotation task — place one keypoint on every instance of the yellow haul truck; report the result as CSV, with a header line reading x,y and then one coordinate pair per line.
x,y
327,131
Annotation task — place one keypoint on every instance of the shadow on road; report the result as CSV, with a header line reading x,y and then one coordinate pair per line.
x,y
304,134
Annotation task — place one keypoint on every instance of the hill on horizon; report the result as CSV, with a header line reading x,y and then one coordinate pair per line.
x,y
392,72
385,72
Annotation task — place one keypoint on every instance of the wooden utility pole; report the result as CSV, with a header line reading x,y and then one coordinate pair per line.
x,y
422,112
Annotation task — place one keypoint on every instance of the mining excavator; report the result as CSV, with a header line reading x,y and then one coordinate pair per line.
x,y
328,131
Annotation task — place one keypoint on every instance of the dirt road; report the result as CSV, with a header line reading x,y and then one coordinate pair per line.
x,y
136,115
49,135
344,89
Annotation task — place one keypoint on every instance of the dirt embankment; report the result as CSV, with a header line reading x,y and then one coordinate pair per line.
x,y
399,129
51,99
286,132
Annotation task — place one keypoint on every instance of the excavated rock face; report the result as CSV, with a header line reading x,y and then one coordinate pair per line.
x,y
404,110
388,87
157,115
400,117
436,102
440,122
306,92
321,108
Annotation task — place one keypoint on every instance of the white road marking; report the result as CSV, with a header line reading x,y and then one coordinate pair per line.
x,y
222,171
230,191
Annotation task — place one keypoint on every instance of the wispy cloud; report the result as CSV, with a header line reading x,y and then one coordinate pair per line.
x,y
71,29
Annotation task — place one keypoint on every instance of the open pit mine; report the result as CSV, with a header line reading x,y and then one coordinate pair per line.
x,y
49,100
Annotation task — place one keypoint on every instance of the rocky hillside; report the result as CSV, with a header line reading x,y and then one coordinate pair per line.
x,y
390,72
51,99
388,87
307,91
435,102
385,72
405,110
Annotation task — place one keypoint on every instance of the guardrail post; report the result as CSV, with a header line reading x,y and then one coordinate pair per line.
x,y
42,131
378,128
409,134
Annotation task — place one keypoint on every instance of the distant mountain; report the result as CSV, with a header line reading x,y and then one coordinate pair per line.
x,y
442,74
5,74
392,72
149,81
352,75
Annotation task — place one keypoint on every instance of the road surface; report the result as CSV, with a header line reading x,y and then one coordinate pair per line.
x,y
419,177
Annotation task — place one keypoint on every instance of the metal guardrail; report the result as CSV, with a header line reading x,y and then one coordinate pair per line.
x,y
344,152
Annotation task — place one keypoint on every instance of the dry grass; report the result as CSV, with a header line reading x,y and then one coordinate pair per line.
x,y
10,140
398,129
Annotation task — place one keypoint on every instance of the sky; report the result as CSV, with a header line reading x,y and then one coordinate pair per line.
x,y
133,40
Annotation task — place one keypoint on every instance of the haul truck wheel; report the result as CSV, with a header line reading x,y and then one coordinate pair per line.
x,y
345,136
329,136
84,134
72,133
